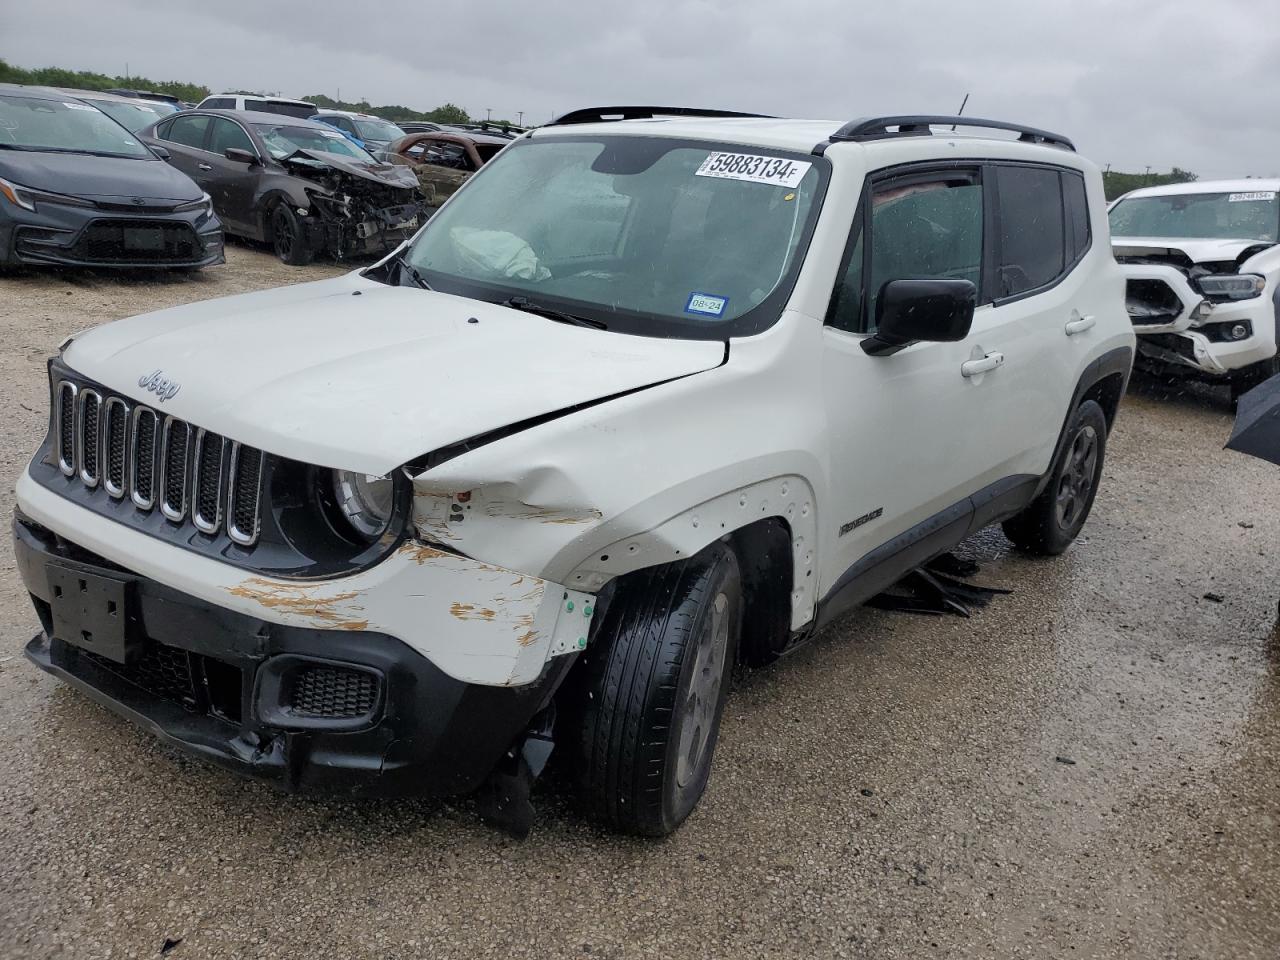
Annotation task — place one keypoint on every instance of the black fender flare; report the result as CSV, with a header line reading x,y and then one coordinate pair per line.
x,y
1118,361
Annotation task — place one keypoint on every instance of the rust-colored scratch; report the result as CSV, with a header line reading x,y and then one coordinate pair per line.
x,y
526,511
469,611
527,637
301,600
421,553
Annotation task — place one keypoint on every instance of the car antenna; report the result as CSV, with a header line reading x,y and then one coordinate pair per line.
x,y
960,112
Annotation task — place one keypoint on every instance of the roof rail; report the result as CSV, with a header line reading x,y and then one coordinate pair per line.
x,y
601,114
877,128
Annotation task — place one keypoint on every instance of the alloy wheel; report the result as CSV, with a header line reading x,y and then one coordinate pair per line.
x,y
1075,482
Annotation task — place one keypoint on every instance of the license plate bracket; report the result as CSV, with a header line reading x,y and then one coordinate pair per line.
x,y
91,610
143,238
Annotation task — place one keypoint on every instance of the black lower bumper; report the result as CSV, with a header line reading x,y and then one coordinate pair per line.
x,y
351,711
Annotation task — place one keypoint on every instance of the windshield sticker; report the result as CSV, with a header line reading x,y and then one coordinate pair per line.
x,y
706,304
78,106
331,136
1260,195
756,169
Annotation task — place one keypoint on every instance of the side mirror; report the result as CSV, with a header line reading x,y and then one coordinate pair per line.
x,y
159,151
242,156
908,311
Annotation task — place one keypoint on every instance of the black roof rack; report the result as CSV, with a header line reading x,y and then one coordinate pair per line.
x,y
877,128
600,114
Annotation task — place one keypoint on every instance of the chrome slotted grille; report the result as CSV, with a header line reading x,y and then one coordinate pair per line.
x,y
192,475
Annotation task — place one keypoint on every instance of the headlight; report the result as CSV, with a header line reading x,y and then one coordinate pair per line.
x,y
27,198
205,203
365,501
1243,286
18,196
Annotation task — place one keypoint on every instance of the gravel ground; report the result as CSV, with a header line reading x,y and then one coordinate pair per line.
x,y
1087,768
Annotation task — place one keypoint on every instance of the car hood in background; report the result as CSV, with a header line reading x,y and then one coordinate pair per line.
x,y
99,178
387,174
1197,251
353,374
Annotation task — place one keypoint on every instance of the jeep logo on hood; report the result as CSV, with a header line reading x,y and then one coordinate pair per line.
x,y
160,385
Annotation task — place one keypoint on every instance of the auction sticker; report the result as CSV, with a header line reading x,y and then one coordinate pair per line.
x,y
1260,195
706,304
756,169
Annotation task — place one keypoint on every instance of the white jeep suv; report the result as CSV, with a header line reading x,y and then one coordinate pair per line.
x,y
659,391
1202,261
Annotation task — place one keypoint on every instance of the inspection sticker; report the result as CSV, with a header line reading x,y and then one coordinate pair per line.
x,y
1260,195
779,171
706,304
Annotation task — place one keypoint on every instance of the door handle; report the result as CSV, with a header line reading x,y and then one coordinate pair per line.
x,y
204,166
1079,325
971,368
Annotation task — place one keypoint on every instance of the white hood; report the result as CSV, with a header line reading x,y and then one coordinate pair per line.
x,y
353,374
1198,251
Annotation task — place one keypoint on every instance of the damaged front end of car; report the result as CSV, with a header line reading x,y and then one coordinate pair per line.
x,y
356,209
1204,313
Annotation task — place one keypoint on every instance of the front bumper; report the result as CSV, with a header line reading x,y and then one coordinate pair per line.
x,y
225,687
1179,340
374,232
88,237
474,621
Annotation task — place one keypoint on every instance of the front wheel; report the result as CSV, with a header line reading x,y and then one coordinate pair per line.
x,y
1054,518
656,677
288,238
1253,376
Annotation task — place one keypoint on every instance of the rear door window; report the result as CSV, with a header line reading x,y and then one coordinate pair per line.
x,y
1032,229
188,131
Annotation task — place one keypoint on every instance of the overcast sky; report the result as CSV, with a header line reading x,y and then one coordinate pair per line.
x,y
1162,82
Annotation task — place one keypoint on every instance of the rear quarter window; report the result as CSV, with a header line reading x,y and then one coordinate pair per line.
x,y
1076,204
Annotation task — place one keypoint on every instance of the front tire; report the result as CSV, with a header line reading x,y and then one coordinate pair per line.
x,y
1052,520
288,238
1253,376
656,677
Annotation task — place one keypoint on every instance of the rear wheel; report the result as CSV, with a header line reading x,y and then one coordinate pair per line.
x,y
1054,518
657,674
288,239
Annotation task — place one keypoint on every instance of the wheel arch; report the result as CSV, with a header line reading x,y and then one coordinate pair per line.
x,y
771,526
1103,381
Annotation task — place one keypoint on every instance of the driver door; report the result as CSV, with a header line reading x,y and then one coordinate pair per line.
x,y
910,433
232,183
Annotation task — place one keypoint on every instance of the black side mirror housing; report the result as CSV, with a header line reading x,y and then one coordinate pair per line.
x,y
160,151
908,311
242,156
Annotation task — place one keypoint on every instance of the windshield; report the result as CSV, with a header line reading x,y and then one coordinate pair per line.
x,y
655,236
378,130
1251,215
64,126
284,140
133,116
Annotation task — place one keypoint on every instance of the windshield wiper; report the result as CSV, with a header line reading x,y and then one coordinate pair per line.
x,y
525,304
407,269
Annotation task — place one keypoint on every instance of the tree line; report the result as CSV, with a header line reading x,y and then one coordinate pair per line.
x,y
1116,184
195,92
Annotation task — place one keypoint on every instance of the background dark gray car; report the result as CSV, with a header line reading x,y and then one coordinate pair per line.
x,y
297,184
77,188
